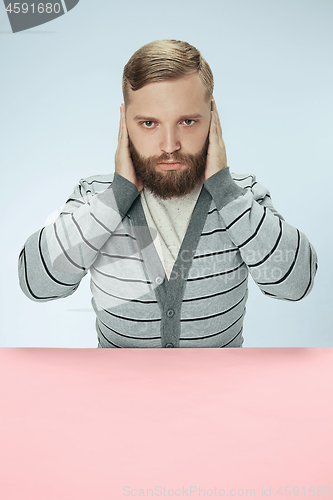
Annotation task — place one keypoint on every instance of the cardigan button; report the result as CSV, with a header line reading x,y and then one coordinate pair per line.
x,y
159,280
170,344
170,313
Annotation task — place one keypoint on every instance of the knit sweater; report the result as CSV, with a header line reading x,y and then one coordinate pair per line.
x,y
234,230
168,221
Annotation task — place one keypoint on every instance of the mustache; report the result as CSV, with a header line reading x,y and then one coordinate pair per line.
x,y
175,155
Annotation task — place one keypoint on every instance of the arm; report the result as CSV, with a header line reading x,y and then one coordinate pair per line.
x,y
54,260
279,257
281,260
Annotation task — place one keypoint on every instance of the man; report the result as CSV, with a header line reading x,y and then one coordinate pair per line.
x,y
170,238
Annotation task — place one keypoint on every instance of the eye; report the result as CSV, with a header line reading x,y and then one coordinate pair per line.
x,y
189,122
148,124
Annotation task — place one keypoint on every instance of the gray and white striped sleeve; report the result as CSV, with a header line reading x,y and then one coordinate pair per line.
x,y
55,259
280,258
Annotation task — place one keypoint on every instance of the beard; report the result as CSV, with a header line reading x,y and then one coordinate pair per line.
x,y
170,183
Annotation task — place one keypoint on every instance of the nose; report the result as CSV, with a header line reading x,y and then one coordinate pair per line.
x,y
170,140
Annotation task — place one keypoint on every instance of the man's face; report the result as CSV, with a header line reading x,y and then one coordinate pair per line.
x,y
168,126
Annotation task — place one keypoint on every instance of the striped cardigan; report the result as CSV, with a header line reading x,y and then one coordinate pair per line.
x,y
234,230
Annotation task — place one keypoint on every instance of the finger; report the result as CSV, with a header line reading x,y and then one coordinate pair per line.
x,y
218,126
120,125
123,137
212,106
218,123
211,115
124,131
213,124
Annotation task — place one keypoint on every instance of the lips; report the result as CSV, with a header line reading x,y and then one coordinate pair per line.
x,y
170,165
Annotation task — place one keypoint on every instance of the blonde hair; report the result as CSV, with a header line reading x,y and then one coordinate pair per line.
x,y
165,60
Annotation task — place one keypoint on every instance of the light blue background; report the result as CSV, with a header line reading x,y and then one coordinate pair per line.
x,y
60,97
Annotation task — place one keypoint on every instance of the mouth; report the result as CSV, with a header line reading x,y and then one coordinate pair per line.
x,y
175,165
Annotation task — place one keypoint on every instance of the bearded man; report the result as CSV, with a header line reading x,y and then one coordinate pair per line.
x,y
170,238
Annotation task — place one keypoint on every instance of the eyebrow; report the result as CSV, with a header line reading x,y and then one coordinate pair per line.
x,y
151,119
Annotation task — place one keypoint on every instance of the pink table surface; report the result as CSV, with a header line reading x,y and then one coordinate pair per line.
x,y
110,424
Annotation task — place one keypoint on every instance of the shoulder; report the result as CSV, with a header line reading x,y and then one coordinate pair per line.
x,y
96,183
249,182
245,181
89,186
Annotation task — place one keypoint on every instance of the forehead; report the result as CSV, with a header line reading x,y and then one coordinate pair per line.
x,y
183,95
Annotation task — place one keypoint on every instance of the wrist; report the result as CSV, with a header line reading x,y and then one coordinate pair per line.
x,y
223,188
